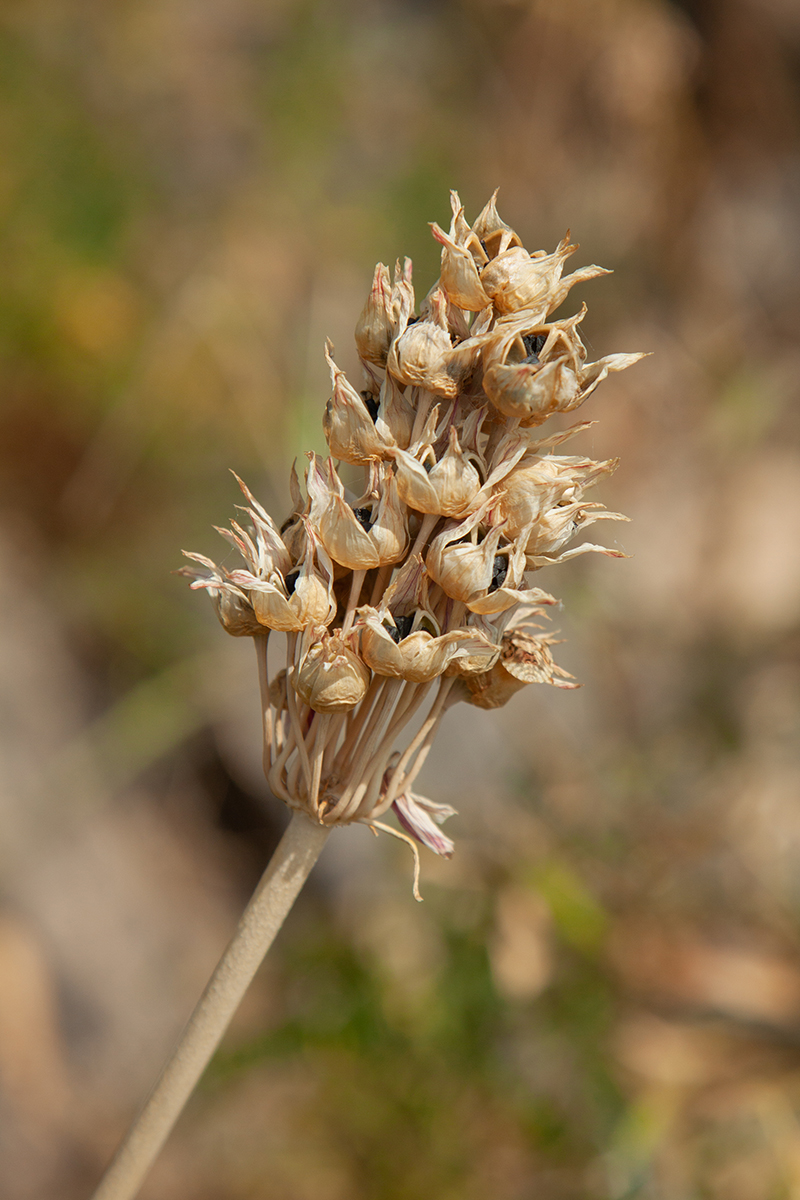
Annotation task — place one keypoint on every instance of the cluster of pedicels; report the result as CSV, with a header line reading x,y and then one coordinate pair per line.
x,y
415,594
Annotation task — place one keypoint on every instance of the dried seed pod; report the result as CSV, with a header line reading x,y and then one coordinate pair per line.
x,y
374,330
460,278
459,563
233,608
558,526
292,531
523,659
493,233
448,488
303,597
402,299
541,482
371,535
395,419
420,656
421,355
515,280
454,479
389,528
350,431
331,677
340,532
532,392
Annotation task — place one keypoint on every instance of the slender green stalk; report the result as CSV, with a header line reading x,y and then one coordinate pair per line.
x,y
280,884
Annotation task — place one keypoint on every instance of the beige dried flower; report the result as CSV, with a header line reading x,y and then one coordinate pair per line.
x,y
330,678
446,487
523,659
350,431
374,327
403,639
418,589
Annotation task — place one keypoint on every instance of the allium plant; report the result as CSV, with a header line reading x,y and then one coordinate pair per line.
x,y
416,594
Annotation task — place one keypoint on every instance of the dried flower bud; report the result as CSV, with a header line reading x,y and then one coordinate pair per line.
x,y
331,678
374,330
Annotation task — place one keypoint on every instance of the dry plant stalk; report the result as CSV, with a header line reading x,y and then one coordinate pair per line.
x,y
399,603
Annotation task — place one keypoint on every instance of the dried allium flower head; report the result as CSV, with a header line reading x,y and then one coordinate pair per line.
x,y
398,603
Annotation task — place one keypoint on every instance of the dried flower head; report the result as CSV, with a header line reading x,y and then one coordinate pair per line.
x,y
416,594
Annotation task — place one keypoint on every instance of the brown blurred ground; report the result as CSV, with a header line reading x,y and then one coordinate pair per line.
x,y
601,995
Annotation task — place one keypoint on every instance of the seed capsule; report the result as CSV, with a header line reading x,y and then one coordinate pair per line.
x,y
540,483
421,356
420,656
448,488
462,567
493,233
516,279
234,610
459,277
331,677
523,659
374,329
349,428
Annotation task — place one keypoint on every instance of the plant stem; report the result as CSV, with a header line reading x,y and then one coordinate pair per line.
x,y
280,884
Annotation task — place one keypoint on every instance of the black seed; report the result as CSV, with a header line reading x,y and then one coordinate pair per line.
x,y
404,624
483,244
533,343
372,404
291,580
401,627
364,517
412,321
499,572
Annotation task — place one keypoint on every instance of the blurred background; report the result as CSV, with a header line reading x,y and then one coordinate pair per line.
x,y
600,996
